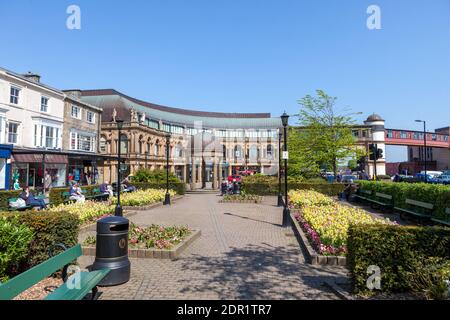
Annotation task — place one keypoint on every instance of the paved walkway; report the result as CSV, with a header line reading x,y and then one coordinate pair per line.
x,y
242,253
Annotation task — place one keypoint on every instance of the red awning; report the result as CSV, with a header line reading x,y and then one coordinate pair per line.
x,y
36,158
56,158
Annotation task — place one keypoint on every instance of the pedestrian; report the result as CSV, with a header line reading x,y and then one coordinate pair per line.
x,y
30,200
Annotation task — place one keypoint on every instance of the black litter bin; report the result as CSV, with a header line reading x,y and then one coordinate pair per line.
x,y
112,250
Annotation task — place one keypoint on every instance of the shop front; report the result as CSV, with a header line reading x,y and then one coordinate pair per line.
x,y
28,169
5,165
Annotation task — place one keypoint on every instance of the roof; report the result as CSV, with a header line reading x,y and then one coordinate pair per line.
x,y
110,99
375,117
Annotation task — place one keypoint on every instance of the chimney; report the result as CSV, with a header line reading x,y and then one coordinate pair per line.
x,y
33,77
76,93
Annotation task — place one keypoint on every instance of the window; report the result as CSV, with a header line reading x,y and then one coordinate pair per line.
x,y
12,132
403,135
389,134
123,144
46,136
44,104
269,151
76,112
355,133
82,142
14,97
49,137
90,117
102,144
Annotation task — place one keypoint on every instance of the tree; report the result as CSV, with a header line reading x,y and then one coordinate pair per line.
x,y
325,135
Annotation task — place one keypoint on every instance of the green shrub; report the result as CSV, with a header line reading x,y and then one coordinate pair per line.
x,y
267,185
5,195
398,251
178,187
438,195
49,228
154,176
15,239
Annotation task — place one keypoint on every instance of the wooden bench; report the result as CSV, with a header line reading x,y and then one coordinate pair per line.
x,y
97,195
363,194
419,209
444,222
382,199
24,208
67,291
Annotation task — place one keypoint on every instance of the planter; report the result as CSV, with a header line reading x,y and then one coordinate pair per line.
x,y
312,256
171,254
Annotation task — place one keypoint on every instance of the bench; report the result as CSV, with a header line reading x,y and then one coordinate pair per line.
x,y
24,208
66,197
363,194
447,222
67,291
418,208
96,195
382,199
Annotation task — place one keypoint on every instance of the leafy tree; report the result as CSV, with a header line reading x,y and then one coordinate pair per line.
x,y
324,136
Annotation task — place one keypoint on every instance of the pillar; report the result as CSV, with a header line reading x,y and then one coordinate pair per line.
x,y
194,175
215,182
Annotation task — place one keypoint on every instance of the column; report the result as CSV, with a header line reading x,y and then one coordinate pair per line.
x,y
194,175
215,176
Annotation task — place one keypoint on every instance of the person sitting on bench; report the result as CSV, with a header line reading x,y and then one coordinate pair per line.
x,y
30,200
76,193
128,186
105,188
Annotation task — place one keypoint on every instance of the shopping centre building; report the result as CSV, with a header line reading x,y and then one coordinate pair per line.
x,y
204,147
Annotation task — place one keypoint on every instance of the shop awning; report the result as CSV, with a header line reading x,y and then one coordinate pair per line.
x,y
36,158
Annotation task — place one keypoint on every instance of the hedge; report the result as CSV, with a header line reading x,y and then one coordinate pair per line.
x,y
438,195
403,254
271,189
49,228
5,195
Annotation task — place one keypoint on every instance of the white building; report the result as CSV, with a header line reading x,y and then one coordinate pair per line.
x,y
31,117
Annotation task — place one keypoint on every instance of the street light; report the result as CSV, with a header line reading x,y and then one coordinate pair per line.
x,y
286,212
167,197
119,211
425,147
280,195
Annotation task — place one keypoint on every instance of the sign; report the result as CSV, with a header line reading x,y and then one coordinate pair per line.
x,y
285,155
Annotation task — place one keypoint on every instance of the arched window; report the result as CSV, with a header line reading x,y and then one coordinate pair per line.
x,y
141,144
238,152
179,150
123,144
253,152
156,148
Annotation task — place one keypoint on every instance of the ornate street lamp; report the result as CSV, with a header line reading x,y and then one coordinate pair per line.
x,y
286,212
119,211
167,197
425,147
280,195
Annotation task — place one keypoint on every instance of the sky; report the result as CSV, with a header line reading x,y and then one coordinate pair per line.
x,y
243,55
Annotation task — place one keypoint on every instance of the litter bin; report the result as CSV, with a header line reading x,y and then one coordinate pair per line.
x,y
112,250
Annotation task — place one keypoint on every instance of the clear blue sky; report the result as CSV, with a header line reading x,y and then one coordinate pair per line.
x,y
242,55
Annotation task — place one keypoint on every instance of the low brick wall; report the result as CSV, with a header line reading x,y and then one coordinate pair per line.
x,y
171,254
312,256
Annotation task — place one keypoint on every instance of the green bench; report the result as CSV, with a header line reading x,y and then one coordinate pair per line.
x,y
66,197
68,291
416,208
96,195
384,200
363,194
444,222
24,208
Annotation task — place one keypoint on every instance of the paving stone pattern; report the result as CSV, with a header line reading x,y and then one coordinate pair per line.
x,y
243,253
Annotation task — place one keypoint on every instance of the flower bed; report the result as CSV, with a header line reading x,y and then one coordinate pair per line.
x,y
326,222
88,211
142,197
242,198
152,237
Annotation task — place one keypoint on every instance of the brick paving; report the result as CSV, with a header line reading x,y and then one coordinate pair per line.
x,y
243,253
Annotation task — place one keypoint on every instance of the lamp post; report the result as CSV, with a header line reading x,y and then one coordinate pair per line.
x,y
425,147
286,212
280,195
167,197
118,210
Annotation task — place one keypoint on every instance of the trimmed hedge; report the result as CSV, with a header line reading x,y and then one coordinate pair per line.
x,y
268,186
438,195
5,195
399,252
49,228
